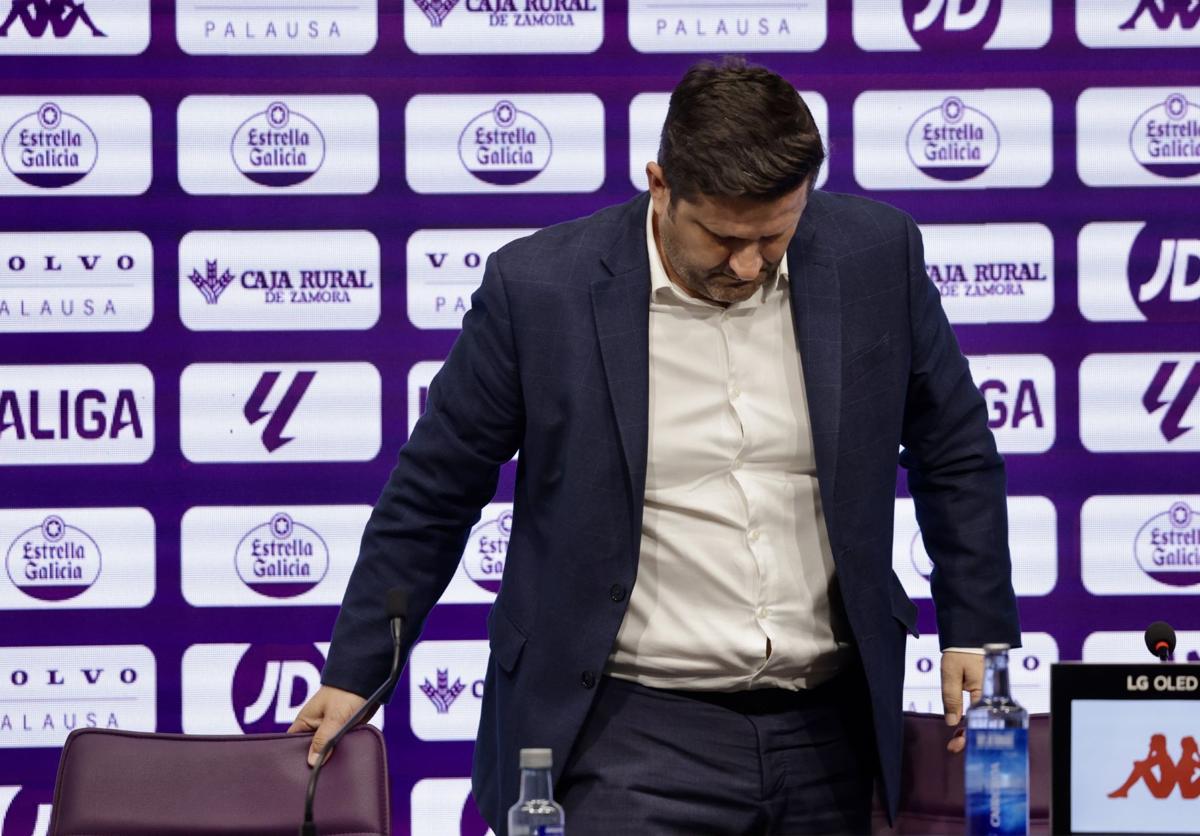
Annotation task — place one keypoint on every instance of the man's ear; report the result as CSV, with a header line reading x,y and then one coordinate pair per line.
x,y
660,193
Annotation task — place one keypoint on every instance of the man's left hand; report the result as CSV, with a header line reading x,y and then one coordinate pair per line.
x,y
960,672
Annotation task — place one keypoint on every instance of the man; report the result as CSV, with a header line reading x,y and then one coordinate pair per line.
x,y
708,386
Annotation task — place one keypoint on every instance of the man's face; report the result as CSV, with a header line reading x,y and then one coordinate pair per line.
x,y
722,249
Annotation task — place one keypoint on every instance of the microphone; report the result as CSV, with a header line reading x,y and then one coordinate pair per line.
x,y
1160,639
397,611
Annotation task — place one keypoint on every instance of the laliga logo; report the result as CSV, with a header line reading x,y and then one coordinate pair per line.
x,y
953,142
281,558
50,148
271,683
1167,547
1164,273
278,147
1165,139
487,547
505,146
946,24
53,561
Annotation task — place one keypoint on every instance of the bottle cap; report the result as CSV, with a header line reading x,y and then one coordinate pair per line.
x,y
996,647
536,758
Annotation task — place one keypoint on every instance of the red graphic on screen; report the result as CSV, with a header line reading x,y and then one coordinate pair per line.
x,y
1170,774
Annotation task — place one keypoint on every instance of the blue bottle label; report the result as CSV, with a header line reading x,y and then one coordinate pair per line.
x,y
997,781
549,830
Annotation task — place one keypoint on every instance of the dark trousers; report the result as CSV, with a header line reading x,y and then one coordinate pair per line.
x,y
655,761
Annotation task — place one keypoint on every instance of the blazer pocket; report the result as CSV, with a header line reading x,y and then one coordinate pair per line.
x,y
903,609
505,639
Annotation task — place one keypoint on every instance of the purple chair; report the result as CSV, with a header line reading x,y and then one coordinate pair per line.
x,y
119,783
931,789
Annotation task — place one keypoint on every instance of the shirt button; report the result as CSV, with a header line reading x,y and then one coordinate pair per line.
x,y
736,464
753,535
616,592
734,391
587,679
764,612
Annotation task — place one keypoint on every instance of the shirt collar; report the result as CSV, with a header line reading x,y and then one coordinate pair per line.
x,y
662,289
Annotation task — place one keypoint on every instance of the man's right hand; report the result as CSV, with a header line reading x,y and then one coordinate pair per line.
x,y
324,713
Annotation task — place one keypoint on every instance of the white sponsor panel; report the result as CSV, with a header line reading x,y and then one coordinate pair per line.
x,y
1112,742
535,142
1139,402
314,280
727,26
1138,136
74,145
76,414
307,27
280,412
1141,545
1032,543
47,692
444,267
1107,24
8,795
953,139
503,27
95,28
477,578
445,688
1121,647
278,144
992,272
76,558
443,807
1104,292
648,111
75,281
880,25
269,555
1019,391
1028,673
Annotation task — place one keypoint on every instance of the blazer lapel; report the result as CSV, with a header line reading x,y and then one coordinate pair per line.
x,y
817,316
621,306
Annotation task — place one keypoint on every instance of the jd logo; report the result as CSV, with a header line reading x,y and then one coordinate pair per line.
x,y
59,16
1177,405
1163,13
1171,773
272,436
271,683
1164,274
962,24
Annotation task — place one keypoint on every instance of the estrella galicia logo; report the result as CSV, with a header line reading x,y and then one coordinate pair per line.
x,y
443,694
1165,139
272,435
505,146
1167,547
953,141
436,10
282,558
50,148
1178,404
1163,14
60,17
1164,273
212,282
278,147
53,561
271,683
487,547
952,24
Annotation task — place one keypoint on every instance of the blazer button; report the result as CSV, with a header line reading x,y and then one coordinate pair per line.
x,y
616,592
588,679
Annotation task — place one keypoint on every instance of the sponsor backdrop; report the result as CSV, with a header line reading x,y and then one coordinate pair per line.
x,y
237,240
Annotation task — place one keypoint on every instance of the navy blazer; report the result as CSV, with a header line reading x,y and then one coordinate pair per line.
x,y
552,359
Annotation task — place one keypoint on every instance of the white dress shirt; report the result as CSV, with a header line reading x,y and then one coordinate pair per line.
x,y
735,586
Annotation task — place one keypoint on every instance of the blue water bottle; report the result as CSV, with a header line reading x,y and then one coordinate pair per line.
x,y
997,761
535,813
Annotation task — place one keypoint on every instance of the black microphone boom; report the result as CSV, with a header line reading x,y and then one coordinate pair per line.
x,y
397,611
1160,640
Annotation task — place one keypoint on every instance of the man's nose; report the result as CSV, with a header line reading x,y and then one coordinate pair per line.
x,y
746,263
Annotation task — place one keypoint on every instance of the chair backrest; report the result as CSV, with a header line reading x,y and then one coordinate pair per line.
x,y
132,783
932,798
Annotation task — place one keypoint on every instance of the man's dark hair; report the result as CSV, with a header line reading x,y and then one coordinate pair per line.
x,y
734,130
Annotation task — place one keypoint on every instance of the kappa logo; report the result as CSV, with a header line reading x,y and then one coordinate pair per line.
x,y
443,694
59,17
963,24
1165,13
1177,404
1172,774
272,435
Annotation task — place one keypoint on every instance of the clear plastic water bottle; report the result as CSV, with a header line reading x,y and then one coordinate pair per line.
x,y
997,761
535,813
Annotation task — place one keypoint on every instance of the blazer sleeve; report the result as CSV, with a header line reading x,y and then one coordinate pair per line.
x,y
955,476
472,425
